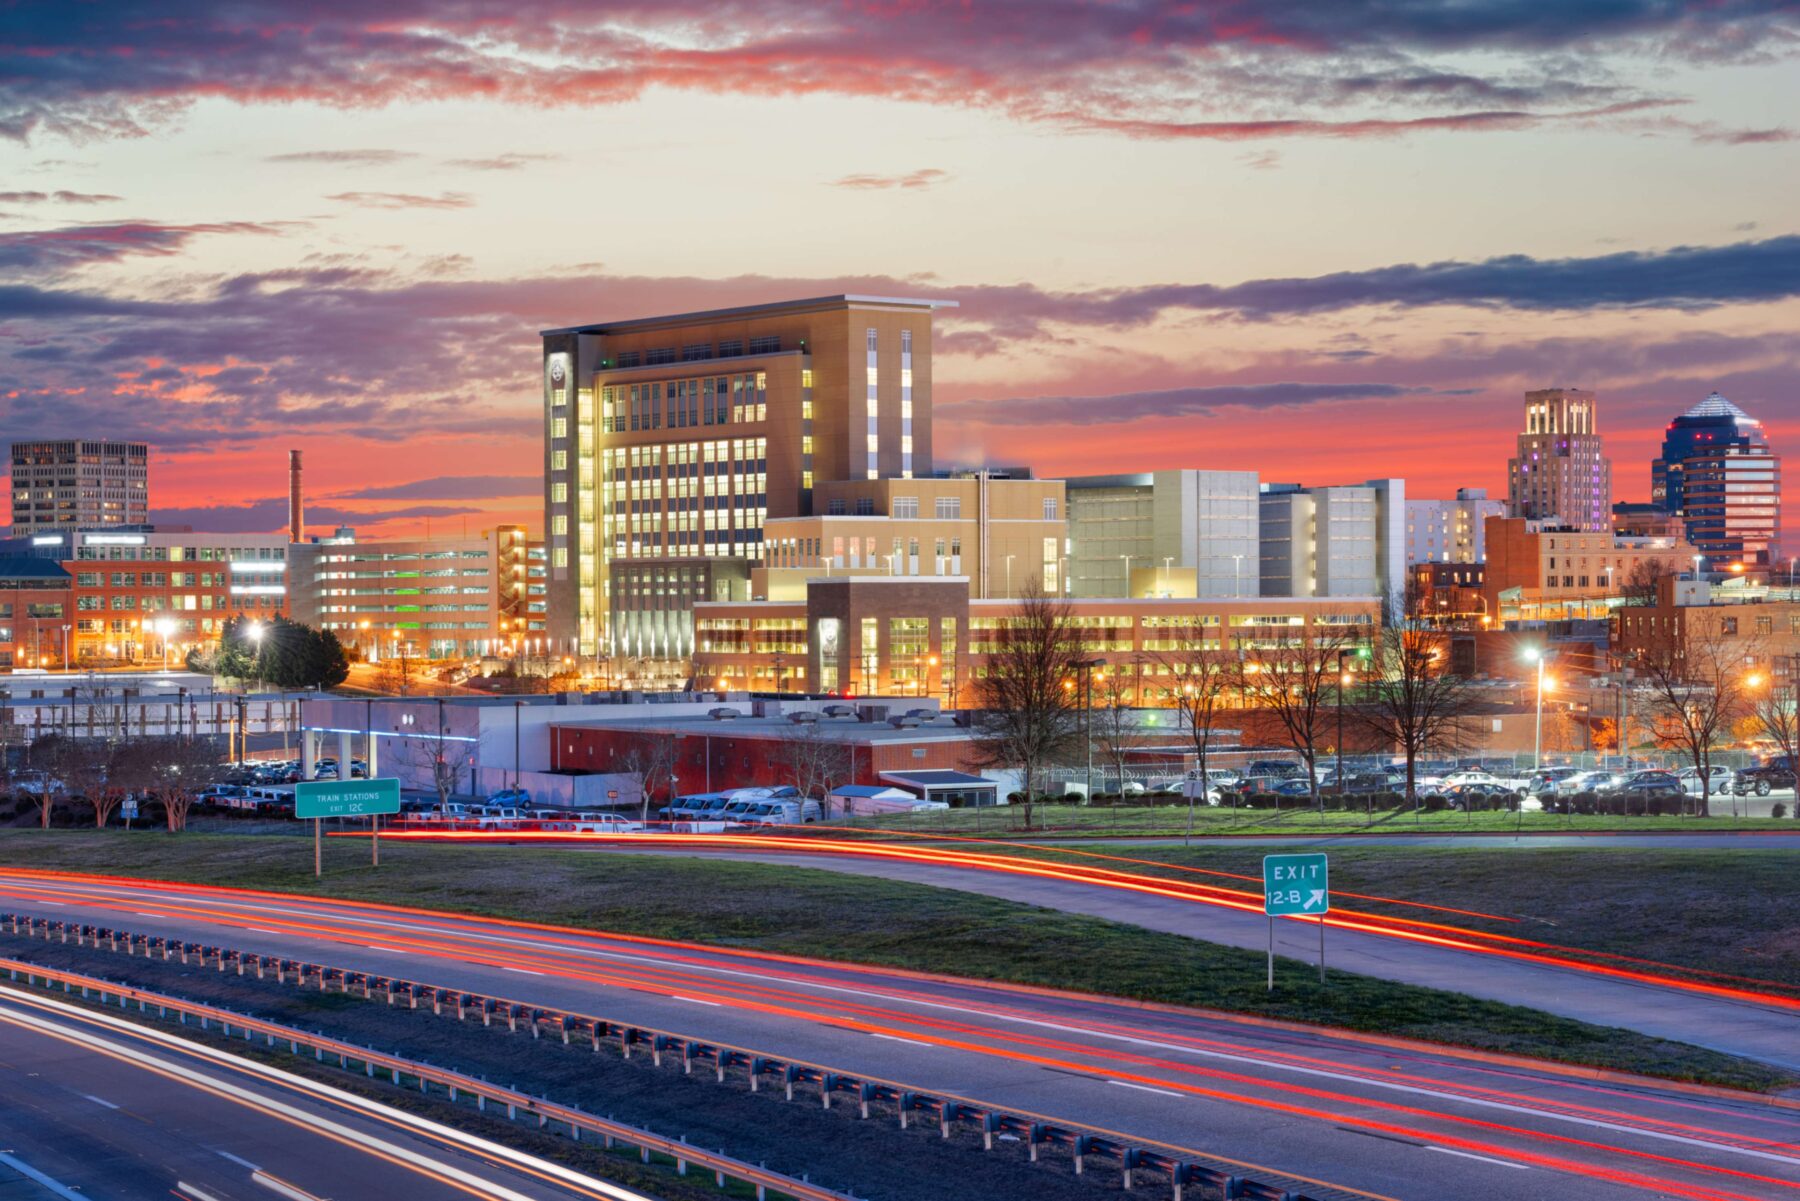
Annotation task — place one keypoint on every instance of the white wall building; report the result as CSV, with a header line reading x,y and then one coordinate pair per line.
x,y
1340,540
1450,531
1200,520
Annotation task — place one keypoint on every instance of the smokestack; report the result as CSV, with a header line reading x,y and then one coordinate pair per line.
x,y
296,504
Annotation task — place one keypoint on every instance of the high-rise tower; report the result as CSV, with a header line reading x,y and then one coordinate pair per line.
x,y
1560,473
1719,475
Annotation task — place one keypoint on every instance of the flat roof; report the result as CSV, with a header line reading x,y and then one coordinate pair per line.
x,y
939,778
747,310
840,729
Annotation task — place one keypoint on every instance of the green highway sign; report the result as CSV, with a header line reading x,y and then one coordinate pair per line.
x,y
1296,885
346,798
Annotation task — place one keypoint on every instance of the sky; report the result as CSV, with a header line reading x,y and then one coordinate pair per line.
x,y
1328,242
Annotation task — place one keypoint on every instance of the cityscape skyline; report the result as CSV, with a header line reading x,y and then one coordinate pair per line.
x,y
385,280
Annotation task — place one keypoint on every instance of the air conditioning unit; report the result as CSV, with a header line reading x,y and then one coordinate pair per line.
x,y
722,713
804,717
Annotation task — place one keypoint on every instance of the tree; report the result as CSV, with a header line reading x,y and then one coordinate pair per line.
x,y
1697,680
651,758
394,674
1029,710
1114,723
172,767
1604,734
1201,677
437,757
1410,699
1639,585
815,763
1773,708
1294,678
293,655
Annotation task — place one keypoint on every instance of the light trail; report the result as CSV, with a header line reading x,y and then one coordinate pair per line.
x,y
875,1020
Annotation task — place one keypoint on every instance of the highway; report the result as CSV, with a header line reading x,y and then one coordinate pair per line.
x,y
1755,1020
96,1109
1344,1115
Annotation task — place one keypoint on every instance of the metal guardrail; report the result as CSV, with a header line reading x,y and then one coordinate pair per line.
x,y
1084,1144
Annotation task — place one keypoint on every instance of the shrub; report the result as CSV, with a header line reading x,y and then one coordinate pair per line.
x,y
1778,810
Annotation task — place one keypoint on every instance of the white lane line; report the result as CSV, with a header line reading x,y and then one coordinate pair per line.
x,y
468,926
141,913
895,1038
389,950
238,1160
260,930
281,1188
695,1001
504,1157
53,904
1145,1088
521,971
102,1101
1483,1158
198,1194
32,1174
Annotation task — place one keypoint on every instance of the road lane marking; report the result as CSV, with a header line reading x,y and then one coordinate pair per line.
x,y
895,1038
282,1188
1145,1088
100,1101
1483,1158
695,1001
32,1174
263,1074
196,1193
260,930
390,950
470,928
238,1160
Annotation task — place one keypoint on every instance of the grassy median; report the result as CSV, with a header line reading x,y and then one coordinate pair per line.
x,y
866,920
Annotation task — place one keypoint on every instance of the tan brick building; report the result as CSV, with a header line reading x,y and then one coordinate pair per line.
x,y
1536,572
671,442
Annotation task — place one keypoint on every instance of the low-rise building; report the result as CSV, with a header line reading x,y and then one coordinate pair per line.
x,y
36,604
1450,531
435,598
1203,521
1761,632
1540,572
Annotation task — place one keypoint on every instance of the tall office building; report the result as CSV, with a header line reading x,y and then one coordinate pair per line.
x,y
1450,531
1560,474
79,485
1205,522
1718,474
670,441
1345,540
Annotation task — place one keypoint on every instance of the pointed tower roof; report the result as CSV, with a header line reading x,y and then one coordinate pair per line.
x,y
1717,406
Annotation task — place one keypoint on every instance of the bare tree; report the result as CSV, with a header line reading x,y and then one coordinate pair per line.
x,y
1696,681
1294,678
1639,584
1775,712
76,767
1030,714
1201,676
173,768
814,762
1410,699
394,675
437,757
651,758
1114,722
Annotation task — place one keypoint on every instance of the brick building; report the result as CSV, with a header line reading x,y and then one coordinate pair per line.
x,y
1539,572
36,604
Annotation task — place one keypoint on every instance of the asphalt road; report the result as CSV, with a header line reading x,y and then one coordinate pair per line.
x,y
1748,840
94,1108
1642,1002
1338,1115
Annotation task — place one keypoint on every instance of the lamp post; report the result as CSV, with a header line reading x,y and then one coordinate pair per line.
x,y
1343,679
1126,559
1697,559
1237,575
66,665
1009,560
1539,657
164,627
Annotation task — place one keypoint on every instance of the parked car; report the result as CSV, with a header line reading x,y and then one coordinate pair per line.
x,y
1549,781
1719,780
1273,767
217,796
517,797
1479,795
1652,782
1775,775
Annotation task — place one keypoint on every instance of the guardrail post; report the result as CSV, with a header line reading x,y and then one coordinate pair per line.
x,y
906,1104
945,1112
1128,1160
757,1066
1082,1143
1033,1137
680,1163
788,1073
990,1122
865,1092
826,1084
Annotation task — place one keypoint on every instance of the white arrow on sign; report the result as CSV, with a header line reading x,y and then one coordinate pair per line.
x,y
1316,899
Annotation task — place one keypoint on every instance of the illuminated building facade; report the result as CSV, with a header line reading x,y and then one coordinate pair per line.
x,y
1718,474
76,484
1560,473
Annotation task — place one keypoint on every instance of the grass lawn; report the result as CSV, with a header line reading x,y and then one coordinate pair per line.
x,y
1051,821
830,915
1728,911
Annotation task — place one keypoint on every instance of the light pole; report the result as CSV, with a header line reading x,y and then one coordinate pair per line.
x,y
164,627
1697,559
66,665
1126,559
1342,680
1009,560
1539,657
1237,575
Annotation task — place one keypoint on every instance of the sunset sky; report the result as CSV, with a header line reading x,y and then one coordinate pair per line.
x,y
1327,241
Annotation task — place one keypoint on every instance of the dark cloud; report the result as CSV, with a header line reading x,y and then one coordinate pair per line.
x,y
50,250
404,200
511,161
57,197
925,177
344,158
1162,68
270,515
452,487
1168,402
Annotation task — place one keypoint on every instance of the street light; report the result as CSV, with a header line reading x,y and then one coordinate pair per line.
x,y
66,666
1539,657
1237,575
164,626
1697,559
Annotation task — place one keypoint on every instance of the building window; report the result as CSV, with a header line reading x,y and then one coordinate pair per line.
x,y
1049,508
865,506
695,352
834,507
769,344
949,508
906,506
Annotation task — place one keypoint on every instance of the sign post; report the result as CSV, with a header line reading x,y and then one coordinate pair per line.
x,y
128,809
320,799
1296,886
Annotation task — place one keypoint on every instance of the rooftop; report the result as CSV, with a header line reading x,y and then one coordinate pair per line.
x,y
1717,406
832,729
749,310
